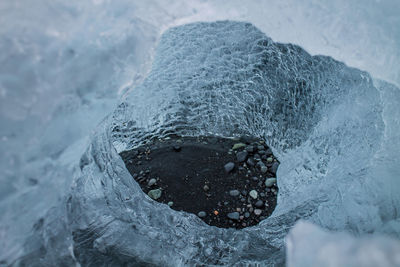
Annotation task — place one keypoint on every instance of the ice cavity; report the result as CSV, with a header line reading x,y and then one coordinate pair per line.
x,y
334,131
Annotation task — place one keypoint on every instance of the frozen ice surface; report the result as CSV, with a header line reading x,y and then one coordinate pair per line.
x,y
308,246
65,59
330,125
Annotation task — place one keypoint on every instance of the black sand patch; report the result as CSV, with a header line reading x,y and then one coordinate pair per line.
x,y
191,173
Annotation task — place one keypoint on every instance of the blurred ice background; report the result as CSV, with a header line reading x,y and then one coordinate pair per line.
x,y
65,64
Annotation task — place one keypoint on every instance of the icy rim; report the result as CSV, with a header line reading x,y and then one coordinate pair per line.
x,y
332,129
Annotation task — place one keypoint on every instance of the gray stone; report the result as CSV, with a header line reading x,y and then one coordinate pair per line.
x,y
244,192
253,194
261,152
254,178
241,156
270,159
250,162
257,212
257,157
201,214
250,149
155,193
206,188
233,215
259,204
247,214
229,166
234,193
269,182
170,203
274,167
152,182
264,169
260,147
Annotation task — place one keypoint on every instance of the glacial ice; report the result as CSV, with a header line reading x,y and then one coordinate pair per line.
x,y
64,64
334,129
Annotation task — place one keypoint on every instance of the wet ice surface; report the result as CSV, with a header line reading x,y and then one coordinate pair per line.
x,y
341,152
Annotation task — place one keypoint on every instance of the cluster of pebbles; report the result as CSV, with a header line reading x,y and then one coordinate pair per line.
x,y
224,181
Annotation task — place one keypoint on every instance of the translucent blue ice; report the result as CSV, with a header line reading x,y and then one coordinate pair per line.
x,y
334,129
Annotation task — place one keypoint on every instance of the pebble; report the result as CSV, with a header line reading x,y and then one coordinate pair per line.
x,y
261,152
253,194
250,149
244,192
206,188
233,215
257,157
262,194
274,167
254,178
264,169
177,148
155,193
170,203
247,214
229,166
269,182
201,214
257,212
259,204
250,162
151,182
238,145
260,147
268,152
234,193
241,156
270,159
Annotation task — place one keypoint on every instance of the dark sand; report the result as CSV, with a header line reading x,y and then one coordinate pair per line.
x,y
183,166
